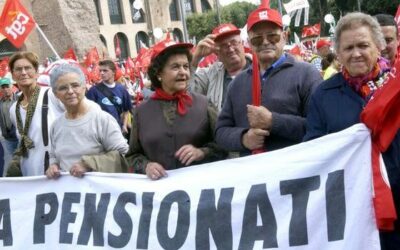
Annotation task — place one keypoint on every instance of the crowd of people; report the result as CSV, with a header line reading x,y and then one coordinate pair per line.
x,y
195,115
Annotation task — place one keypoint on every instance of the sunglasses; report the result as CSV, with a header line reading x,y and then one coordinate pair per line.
x,y
258,40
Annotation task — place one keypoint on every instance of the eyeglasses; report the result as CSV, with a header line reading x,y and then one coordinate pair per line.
x,y
271,37
232,43
65,88
27,69
5,86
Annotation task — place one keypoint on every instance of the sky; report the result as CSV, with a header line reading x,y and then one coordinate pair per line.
x,y
225,2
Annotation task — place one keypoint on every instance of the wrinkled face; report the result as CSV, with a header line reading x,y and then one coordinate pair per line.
x,y
175,74
69,90
230,49
267,41
389,32
24,73
357,51
106,74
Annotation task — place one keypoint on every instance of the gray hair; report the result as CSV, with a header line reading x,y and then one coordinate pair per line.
x,y
63,69
358,19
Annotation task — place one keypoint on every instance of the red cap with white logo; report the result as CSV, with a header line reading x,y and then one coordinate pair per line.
x,y
225,29
264,15
168,44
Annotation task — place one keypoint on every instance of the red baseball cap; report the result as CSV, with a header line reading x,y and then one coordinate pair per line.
x,y
264,15
321,43
225,29
167,44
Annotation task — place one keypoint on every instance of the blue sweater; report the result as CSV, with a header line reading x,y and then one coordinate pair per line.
x,y
285,92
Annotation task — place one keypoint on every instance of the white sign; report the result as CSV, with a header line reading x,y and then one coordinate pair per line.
x,y
295,5
316,195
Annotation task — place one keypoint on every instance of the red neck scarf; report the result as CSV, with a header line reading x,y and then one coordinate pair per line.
x,y
366,85
183,98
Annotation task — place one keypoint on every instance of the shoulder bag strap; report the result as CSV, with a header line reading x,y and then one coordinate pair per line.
x,y
107,92
45,131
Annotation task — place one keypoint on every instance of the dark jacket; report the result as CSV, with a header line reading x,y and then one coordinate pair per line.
x,y
335,106
285,92
158,132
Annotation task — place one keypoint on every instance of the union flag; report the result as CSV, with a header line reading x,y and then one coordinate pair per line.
x,y
313,30
16,23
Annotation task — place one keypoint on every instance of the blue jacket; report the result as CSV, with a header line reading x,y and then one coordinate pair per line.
x,y
335,106
285,92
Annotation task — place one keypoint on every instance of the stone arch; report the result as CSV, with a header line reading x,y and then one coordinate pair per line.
x,y
141,36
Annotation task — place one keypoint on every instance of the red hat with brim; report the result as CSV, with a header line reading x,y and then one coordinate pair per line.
x,y
322,43
264,15
166,45
225,30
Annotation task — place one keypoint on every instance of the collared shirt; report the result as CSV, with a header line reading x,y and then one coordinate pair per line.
x,y
228,79
277,63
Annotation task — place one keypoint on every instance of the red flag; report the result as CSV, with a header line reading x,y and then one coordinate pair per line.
x,y
16,23
397,19
208,60
382,116
117,47
92,57
70,54
4,67
313,30
256,90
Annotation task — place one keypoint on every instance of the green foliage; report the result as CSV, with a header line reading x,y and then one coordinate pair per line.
x,y
200,25
374,7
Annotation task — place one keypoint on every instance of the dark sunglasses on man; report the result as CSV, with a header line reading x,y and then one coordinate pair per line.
x,y
258,40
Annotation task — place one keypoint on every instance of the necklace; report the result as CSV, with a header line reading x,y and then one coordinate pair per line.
x,y
24,106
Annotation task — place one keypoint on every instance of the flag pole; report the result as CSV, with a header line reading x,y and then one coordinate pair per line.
x,y
47,41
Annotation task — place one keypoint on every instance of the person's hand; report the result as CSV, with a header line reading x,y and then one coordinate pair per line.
x,y
188,154
259,117
79,169
155,171
204,48
53,172
254,138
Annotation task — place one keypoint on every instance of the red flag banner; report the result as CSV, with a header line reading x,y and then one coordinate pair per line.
x,y
16,23
313,30
70,54
92,57
4,67
382,116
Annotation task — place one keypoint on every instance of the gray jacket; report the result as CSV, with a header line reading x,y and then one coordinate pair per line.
x,y
209,82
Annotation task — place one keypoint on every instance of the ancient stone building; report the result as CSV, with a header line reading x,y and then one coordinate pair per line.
x,y
82,24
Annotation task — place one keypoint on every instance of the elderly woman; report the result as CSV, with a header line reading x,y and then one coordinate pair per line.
x,y
31,116
174,128
338,101
84,129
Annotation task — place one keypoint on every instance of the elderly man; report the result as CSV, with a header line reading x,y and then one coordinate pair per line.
x,y
391,34
286,86
214,80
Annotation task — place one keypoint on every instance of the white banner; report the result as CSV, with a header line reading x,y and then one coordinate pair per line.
x,y
315,195
295,5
